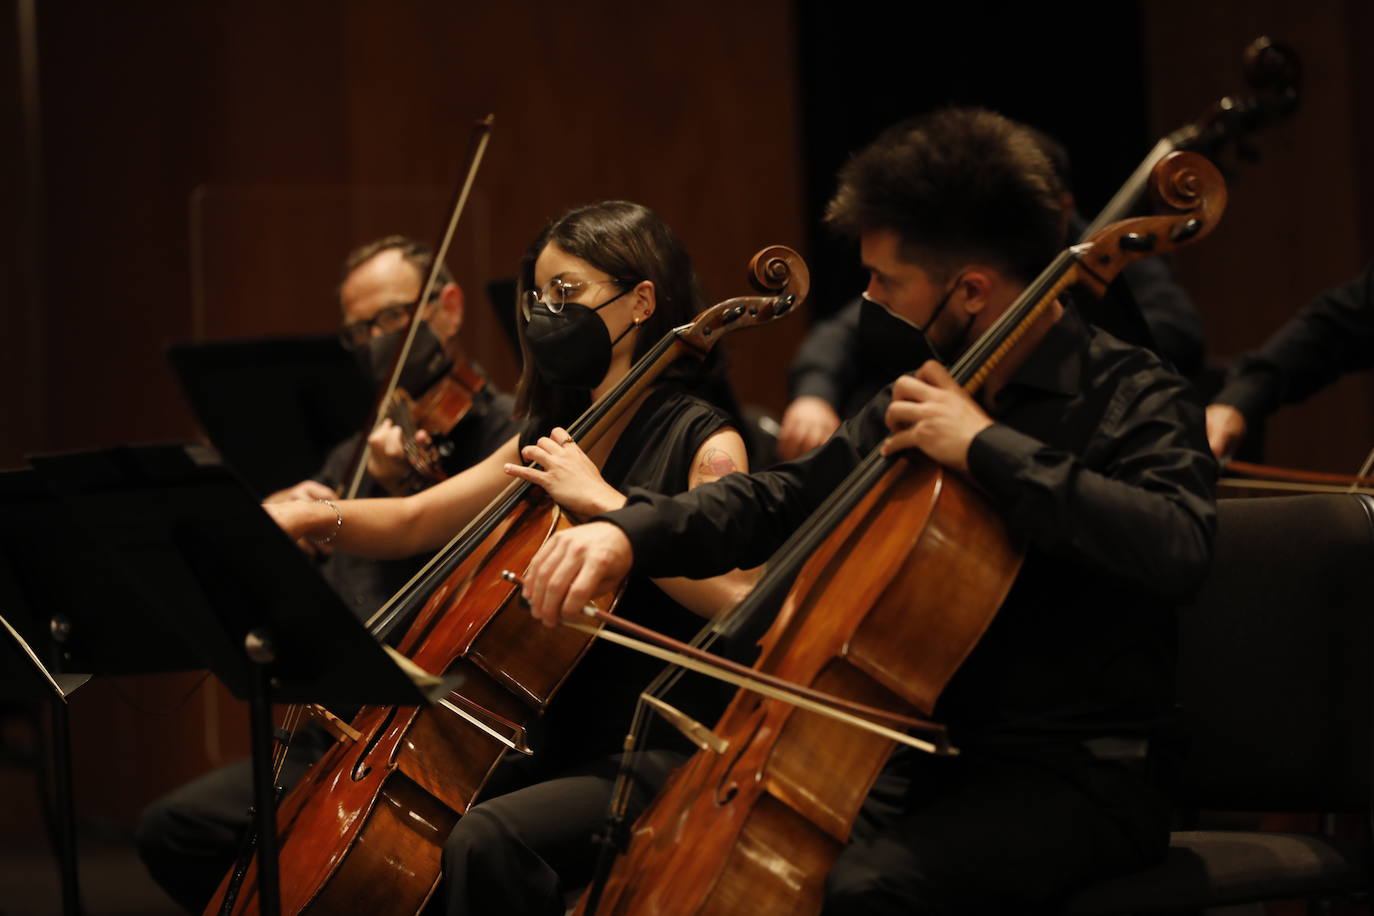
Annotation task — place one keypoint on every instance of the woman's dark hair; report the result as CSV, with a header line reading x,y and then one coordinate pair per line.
x,y
954,185
631,243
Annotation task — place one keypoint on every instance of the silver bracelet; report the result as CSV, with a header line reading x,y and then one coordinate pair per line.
x,y
338,524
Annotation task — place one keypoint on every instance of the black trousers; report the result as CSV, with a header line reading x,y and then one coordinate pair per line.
x,y
189,838
532,841
996,831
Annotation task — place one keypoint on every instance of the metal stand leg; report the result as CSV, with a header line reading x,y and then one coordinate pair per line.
x,y
264,796
66,809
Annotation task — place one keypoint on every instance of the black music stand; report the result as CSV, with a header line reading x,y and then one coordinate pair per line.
x,y
67,609
274,407
225,579
24,677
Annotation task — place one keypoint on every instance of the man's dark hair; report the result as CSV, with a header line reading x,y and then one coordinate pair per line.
x,y
412,252
955,185
1058,155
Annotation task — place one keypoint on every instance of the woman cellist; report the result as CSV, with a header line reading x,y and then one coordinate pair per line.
x,y
600,285
1092,453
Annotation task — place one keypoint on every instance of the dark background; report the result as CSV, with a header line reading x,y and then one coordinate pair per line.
x,y
177,171
861,72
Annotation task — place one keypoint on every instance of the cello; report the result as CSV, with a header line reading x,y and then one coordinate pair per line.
x,y
364,830
893,580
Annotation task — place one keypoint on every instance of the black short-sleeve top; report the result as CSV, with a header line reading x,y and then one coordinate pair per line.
x,y
589,716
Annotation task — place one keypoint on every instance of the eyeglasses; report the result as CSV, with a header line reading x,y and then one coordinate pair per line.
x,y
557,293
356,334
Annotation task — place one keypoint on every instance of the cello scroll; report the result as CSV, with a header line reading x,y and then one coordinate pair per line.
x,y
776,269
1186,183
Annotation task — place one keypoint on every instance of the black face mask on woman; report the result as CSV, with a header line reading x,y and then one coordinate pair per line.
x,y
571,348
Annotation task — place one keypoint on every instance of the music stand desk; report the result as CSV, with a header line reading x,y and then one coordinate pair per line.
x,y
227,581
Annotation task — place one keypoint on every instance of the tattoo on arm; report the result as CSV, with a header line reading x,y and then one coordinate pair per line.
x,y
715,463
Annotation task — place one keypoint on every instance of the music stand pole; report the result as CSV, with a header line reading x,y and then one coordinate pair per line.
x,y
261,652
62,775
24,676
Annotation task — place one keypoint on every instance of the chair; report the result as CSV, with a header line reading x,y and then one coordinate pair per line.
x,y
1275,677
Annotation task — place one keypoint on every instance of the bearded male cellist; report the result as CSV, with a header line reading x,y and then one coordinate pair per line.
x,y
1093,453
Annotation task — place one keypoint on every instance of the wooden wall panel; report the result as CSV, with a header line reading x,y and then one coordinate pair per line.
x,y
1297,222
20,276
209,164
206,165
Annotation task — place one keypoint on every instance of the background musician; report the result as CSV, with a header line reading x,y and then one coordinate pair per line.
x,y
189,838
379,292
1332,335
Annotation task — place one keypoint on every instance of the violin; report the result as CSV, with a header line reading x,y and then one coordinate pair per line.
x,y
440,408
364,829
889,586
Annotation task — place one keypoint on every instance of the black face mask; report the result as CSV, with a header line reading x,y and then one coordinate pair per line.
x,y
896,340
893,346
425,365
571,348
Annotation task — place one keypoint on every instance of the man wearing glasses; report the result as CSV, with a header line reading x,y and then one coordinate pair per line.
x,y
381,286
379,293
189,838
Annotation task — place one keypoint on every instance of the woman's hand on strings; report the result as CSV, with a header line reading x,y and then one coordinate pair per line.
x,y
573,567
569,476
932,412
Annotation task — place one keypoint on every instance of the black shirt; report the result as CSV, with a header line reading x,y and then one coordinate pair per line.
x,y
1332,335
1097,461
365,585
590,714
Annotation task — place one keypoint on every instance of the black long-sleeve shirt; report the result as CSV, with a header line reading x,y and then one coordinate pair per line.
x,y
1332,335
1097,461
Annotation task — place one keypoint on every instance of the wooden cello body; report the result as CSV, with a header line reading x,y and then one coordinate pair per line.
x,y
364,830
755,829
897,576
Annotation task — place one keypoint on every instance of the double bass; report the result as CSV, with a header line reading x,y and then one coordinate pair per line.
x,y
364,829
893,580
